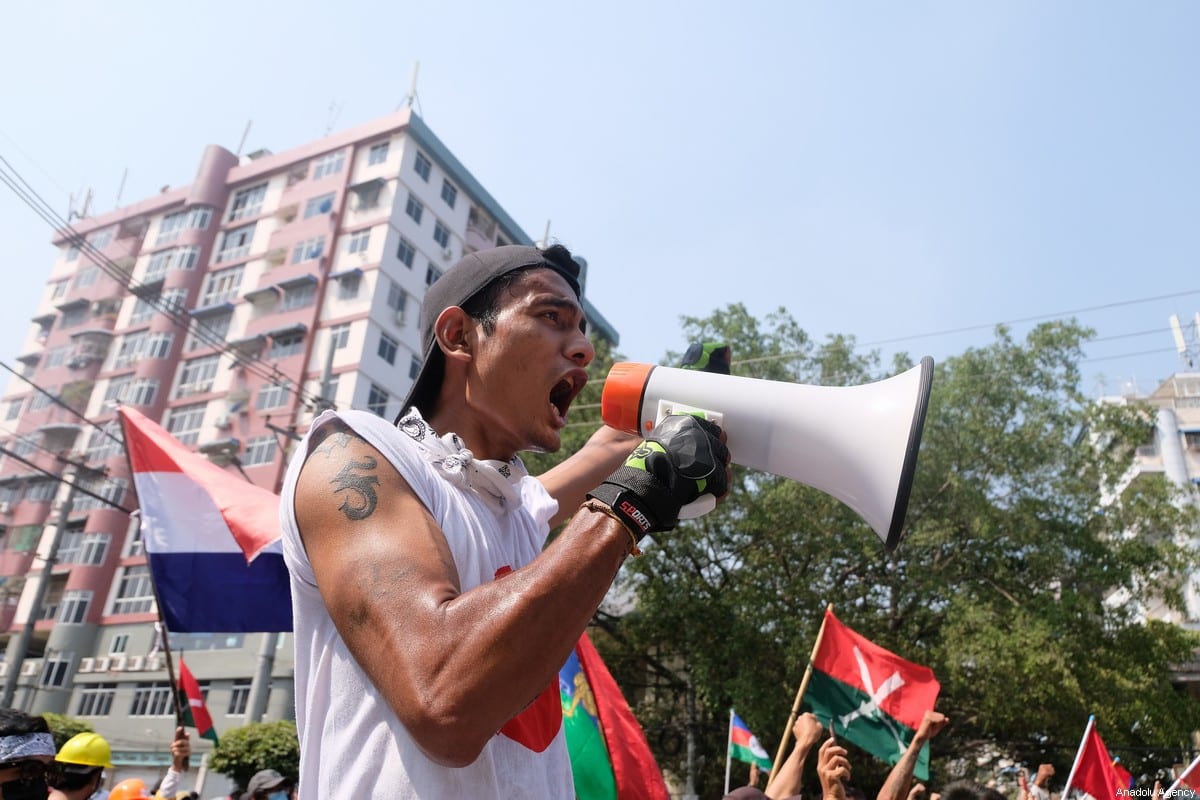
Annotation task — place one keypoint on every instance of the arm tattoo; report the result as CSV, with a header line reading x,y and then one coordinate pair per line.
x,y
361,501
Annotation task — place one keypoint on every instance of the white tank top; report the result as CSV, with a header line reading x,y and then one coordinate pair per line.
x,y
351,743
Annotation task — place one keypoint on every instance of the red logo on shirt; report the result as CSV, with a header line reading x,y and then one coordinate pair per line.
x,y
536,726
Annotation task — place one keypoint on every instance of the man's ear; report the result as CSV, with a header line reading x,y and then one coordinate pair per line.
x,y
452,330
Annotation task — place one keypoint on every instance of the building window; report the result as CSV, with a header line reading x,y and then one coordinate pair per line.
x,y
329,393
339,335
72,252
134,545
119,644
58,289
432,273
414,368
174,224
318,205
272,396
414,208
55,669
135,593
449,192
184,422
308,250
196,376
329,164
288,344
158,345
422,166
235,243
74,607
406,252
359,241
377,400
42,399
141,392
41,491
387,348
111,490
105,442
239,697
143,310
440,234
95,700
298,296
347,288
87,277
377,154
100,239
152,700
208,331
73,317
174,300
14,408
87,549
247,202
221,286
397,300
259,450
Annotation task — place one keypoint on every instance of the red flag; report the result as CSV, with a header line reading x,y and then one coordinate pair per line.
x,y
1093,771
1190,779
634,768
196,712
1125,776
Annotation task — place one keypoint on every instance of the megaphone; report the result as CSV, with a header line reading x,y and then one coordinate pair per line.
x,y
856,443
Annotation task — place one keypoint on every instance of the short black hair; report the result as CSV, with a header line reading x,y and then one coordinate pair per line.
x,y
14,723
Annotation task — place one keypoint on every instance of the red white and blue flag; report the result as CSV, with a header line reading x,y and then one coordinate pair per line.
x,y
212,538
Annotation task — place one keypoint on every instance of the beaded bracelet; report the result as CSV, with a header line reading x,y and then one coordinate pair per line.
x,y
602,508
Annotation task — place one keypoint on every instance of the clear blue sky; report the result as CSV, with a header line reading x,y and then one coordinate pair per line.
x,y
887,170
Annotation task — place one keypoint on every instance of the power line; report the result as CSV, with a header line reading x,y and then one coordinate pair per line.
x,y
174,313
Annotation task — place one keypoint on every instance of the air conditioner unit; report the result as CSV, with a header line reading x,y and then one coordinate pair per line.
x,y
400,317
118,664
447,254
3,668
102,664
223,421
5,507
86,664
137,663
155,661
29,668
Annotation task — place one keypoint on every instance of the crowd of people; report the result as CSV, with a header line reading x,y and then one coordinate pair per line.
x,y
32,768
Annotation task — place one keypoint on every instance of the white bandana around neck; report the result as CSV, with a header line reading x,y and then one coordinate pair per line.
x,y
494,482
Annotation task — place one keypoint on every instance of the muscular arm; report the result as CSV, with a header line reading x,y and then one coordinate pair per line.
x,y
570,481
899,780
454,666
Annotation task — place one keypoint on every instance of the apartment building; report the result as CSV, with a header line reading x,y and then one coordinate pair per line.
x,y
231,310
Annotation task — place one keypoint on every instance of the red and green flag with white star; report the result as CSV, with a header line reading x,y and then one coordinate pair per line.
x,y
869,696
195,712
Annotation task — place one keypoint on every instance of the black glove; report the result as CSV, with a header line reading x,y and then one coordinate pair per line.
x,y
680,460
708,357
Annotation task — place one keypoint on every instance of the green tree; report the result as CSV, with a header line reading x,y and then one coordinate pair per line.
x,y
1018,581
64,727
260,745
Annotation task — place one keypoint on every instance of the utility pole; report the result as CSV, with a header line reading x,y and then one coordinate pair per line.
x,y
17,649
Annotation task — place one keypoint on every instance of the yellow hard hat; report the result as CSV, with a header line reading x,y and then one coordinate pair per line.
x,y
87,748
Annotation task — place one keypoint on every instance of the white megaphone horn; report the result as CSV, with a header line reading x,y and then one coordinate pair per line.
x,y
856,443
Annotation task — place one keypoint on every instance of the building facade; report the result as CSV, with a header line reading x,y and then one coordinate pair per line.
x,y
231,310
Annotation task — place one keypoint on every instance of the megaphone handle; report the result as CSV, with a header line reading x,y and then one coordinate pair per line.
x,y
698,507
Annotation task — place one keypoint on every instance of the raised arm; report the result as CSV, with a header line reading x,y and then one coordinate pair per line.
x,y
571,480
899,780
806,731
833,769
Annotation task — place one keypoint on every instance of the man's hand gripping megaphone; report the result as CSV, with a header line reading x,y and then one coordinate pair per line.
x,y
682,459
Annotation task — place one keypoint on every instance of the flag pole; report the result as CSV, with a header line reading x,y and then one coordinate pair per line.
x,y
1074,766
1175,786
787,730
728,747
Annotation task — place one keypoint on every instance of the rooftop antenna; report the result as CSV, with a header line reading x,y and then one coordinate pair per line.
x,y
335,111
546,236
411,97
121,188
1185,343
245,135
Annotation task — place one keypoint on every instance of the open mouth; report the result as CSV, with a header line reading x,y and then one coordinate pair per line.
x,y
565,391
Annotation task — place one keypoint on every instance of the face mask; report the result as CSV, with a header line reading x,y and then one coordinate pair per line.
x,y
280,795
24,789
